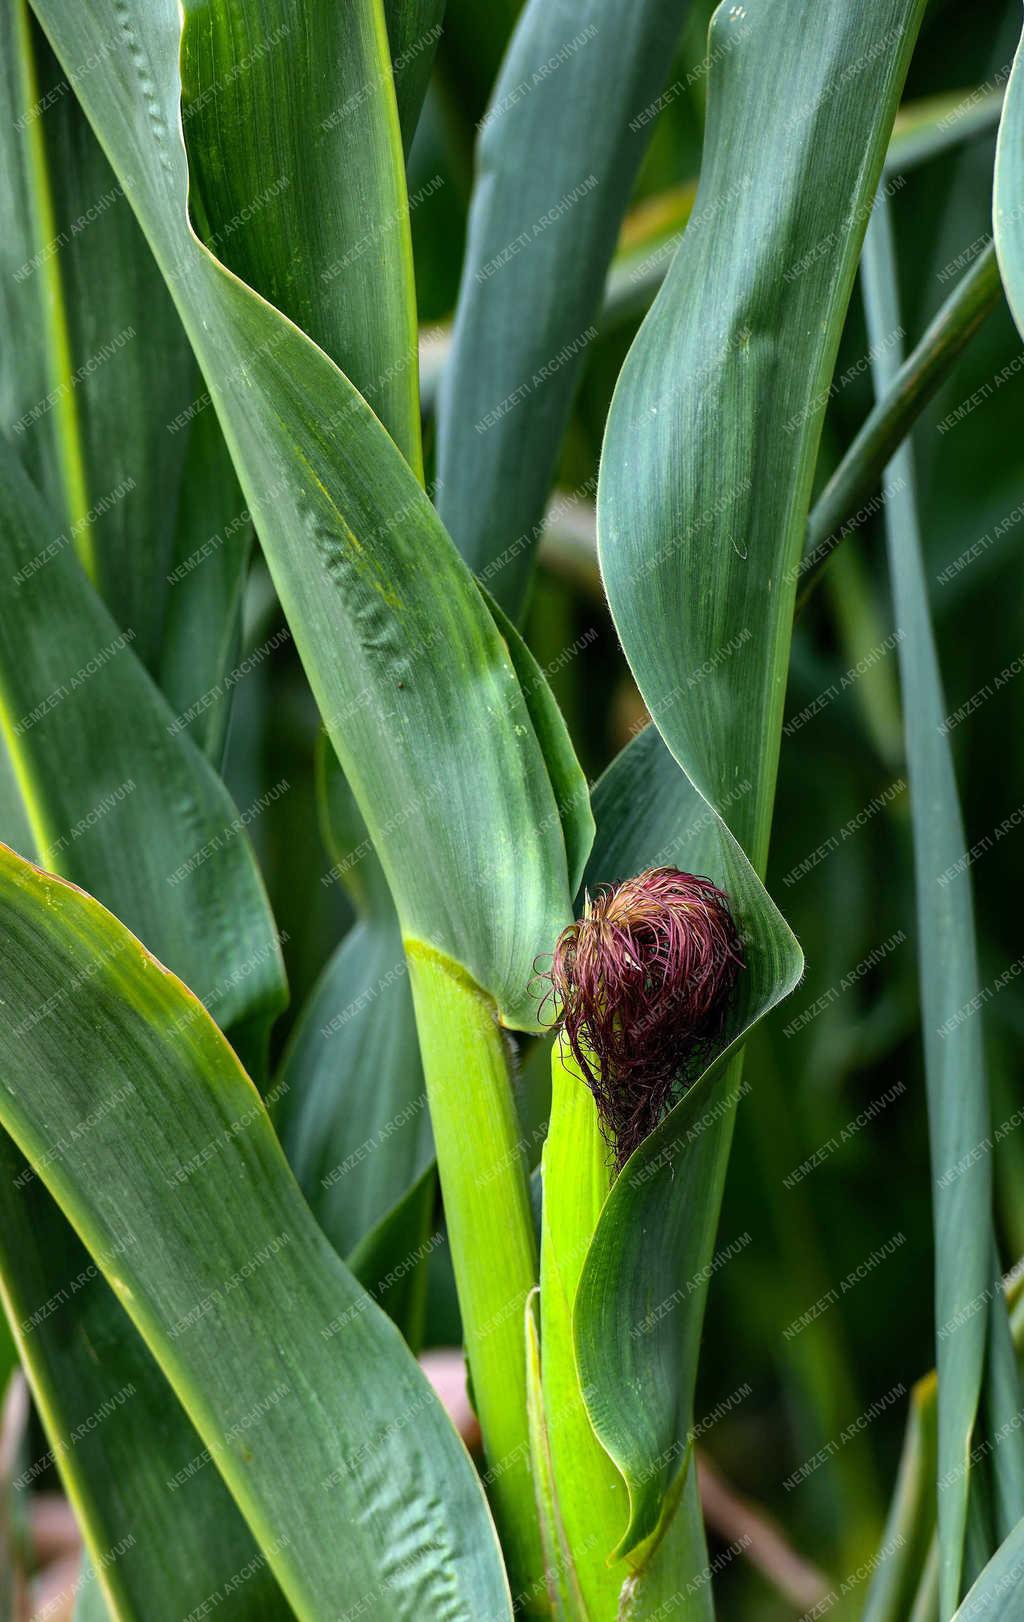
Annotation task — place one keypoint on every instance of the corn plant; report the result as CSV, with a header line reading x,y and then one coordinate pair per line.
x,y
292,579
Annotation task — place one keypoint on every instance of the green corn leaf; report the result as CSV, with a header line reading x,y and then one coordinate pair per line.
x,y
998,1593
96,364
553,181
706,477
1008,193
368,579
199,664
958,1100
341,1481
100,392
353,1114
925,129
160,1524
392,1261
102,770
689,518
296,181
910,1527
567,1601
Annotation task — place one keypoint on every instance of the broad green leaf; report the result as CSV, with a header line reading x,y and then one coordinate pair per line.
x,y
710,445
157,1518
410,674
1008,192
958,1099
355,1484
297,182
567,126
104,774
706,476
999,1591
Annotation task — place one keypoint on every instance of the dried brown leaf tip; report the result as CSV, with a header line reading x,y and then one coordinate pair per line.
x,y
641,985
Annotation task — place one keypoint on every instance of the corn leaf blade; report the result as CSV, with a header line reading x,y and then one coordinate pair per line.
x,y
341,1482
368,579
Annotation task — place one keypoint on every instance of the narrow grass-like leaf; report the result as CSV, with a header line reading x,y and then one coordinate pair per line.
x,y
355,1483
569,120
966,1272
710,446
101,394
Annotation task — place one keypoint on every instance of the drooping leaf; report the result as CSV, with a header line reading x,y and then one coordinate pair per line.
x,y
369,582
104,774
354,1483
159,1522
569,121
118,801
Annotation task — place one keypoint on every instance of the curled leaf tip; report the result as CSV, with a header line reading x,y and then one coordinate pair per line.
x,y
640,986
